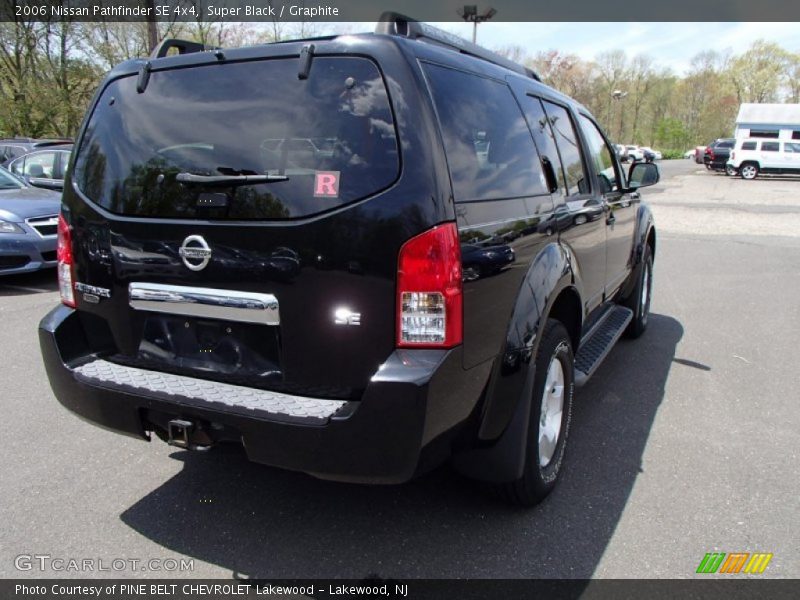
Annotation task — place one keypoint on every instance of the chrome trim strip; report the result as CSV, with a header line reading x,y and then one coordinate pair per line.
x,y
226,305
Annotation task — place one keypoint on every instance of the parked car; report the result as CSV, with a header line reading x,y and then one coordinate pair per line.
x,y
689,153
385,362
651,155
481,261
699,153
634,153
11,148
43,167
28,221
622,152
753,156
717,153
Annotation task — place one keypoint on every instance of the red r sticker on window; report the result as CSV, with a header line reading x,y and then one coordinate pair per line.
x,y
326,184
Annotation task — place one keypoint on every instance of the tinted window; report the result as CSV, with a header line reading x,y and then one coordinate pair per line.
x,y
749,146
332,135
9,152
791,147
544,138
569,149
601,156
489,148
769,146
796,135
764,133
725,145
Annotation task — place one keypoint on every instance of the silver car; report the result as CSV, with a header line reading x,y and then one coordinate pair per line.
x,y
28,226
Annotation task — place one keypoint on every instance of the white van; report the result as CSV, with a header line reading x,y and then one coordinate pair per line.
x,y
752,156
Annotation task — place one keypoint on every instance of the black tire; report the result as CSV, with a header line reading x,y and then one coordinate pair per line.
x,y
730,171
538,481
640,307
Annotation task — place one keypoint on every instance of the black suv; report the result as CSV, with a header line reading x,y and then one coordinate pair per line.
x,y
717,154
264,246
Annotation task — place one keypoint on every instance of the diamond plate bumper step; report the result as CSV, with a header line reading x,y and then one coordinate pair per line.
x,y
596,345
189,392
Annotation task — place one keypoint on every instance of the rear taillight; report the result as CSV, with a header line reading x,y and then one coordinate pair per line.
x,y
429,293
66,284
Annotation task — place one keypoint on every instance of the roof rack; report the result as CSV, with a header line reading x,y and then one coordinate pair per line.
x,y
392,23
183,47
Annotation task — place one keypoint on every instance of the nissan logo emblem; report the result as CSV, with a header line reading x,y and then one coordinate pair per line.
x,y
195,253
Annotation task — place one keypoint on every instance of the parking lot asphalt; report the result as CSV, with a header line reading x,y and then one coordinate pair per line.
x,y
685,442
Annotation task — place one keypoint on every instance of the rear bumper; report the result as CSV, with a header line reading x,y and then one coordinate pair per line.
x,y
379,439
26,253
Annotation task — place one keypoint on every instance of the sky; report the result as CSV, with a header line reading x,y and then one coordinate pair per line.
x,y
669,44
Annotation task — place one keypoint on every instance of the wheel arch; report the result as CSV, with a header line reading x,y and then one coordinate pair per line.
x,y
548,291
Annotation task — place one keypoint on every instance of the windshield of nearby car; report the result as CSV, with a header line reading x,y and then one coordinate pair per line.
x,y
310,144
8,181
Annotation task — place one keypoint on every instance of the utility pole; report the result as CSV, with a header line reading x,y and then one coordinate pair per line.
x,y
470,14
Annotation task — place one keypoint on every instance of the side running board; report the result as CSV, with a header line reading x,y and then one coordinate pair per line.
x,y
596,345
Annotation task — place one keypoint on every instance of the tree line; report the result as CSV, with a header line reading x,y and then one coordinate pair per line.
x,y
638,101
50,70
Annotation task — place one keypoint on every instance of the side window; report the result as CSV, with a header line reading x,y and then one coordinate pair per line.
x,y
769,146
569,149
601,156
764,133
10,152
544,138
725,145
17,166
792,147
749,146
41,164
796,135
490,151
61,165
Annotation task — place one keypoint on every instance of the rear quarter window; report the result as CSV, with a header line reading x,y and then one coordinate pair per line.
x,y
332,136
489,148
749,146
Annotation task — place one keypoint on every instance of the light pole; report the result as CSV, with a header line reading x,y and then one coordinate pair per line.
x,y
619,95
470,14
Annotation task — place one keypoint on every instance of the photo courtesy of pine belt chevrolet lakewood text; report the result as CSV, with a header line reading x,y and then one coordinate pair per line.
x,y
357,256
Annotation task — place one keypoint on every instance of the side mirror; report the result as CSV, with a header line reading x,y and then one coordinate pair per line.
x,y
643,174
49,184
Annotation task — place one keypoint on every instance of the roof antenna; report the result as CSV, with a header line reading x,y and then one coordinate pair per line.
x,y
306,54
144,77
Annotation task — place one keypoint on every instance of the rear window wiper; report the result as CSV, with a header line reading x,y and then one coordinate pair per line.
x,y
228,179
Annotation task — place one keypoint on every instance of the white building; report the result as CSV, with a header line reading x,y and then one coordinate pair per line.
x,y
777,121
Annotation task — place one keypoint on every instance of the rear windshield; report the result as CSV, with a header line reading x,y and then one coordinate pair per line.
x,y
324,141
